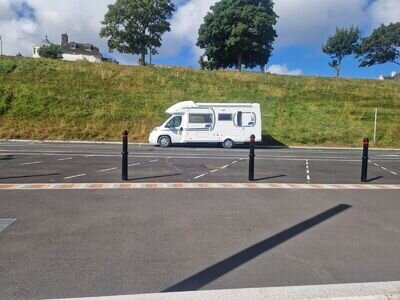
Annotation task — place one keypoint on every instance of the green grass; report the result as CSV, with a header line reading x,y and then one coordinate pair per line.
x,y
46,99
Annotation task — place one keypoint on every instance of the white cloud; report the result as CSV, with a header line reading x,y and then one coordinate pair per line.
x,y
301,23
385,11
283,70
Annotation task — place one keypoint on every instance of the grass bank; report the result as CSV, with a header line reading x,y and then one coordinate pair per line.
x,y
46,99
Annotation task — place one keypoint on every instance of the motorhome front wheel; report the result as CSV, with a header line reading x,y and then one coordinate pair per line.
x,y
164,141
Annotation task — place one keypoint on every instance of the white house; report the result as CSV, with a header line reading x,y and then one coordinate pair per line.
x,y
73,51
393,76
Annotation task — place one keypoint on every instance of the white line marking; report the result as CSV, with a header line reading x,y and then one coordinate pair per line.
x,y
106,170
31,163
62,159
131,165
75,176
151,161
235,162
308,172
213,171
224,167
308,178
394,173
200,176
383,168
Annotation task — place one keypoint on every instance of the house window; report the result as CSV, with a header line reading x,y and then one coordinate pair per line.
x,y
73,46
88,48
34,50
224,117
200,118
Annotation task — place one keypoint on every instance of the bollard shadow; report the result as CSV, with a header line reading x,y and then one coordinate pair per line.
x,y
29,176
219,269
8,157
375,178
153,177
271,177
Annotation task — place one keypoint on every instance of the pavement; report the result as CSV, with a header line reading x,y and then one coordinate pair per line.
x,y
104,242
93,163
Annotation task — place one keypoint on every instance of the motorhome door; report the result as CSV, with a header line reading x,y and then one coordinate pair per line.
x,y
201,123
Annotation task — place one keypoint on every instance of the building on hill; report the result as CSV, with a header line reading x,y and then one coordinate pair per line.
x,y
73,51
393,76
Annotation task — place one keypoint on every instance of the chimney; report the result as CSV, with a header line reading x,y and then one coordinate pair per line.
x,y
64,39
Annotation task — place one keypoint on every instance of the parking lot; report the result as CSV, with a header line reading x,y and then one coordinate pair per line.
x,y
49,163
87,241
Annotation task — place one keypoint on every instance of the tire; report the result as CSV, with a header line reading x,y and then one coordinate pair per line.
x,y
228,144
164,141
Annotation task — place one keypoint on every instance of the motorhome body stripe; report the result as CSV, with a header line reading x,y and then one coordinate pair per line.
x,y
110,186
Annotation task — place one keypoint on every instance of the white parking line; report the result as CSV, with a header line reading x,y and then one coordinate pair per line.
x,y
106,170
62,159
75,176
200,176
31,163
131,165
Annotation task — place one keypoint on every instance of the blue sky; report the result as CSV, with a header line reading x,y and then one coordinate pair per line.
x,y
303,27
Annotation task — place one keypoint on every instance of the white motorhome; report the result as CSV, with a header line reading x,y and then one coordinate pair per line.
x,y
225,123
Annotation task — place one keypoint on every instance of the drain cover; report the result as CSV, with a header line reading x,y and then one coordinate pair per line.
x,y
4,223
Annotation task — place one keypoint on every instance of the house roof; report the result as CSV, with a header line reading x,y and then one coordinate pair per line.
x,y
81,49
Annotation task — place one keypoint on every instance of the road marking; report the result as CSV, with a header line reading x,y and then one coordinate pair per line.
x,y
106,170
383,168
62,159
213,171
193,185
224,167
75,176
151,161
235,162
308,172
202,175
4,223
131,165
31,163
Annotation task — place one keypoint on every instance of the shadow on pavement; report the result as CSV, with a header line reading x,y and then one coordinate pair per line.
x,y
375,178
153,177
271,177
213,272
29,176
8,157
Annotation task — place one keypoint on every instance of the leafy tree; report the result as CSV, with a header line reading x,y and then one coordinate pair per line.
x,y
343,43
50,51
238,32
135,26
382,46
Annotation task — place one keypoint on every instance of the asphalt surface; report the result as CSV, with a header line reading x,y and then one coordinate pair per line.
x,y
101,243
82,243
49,163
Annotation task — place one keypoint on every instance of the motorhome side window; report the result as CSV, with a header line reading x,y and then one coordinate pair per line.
x,y
174,122
200,118
245,119
225,117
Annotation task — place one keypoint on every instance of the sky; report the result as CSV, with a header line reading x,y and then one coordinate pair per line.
x,y
303,26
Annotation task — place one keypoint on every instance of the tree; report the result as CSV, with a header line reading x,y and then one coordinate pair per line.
x,y
238,32
136,26
343,43
50,51
382,46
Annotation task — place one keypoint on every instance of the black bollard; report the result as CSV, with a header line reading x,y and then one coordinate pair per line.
x,y
252,156
364,168
125,155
